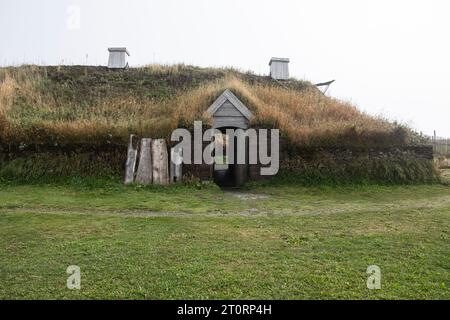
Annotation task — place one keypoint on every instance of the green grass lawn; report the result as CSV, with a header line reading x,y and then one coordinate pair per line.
x,y
274,241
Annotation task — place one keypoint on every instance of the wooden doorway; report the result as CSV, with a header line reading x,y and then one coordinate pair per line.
x,y
228,173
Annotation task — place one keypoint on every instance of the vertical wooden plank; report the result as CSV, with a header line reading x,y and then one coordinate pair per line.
x,y
175,166
145,171
160,162
130,166
434,142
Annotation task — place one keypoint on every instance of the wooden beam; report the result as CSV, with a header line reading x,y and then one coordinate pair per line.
x,y
130,165
144,173
160,162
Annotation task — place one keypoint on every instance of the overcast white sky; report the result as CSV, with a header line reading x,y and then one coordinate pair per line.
x,y
388,57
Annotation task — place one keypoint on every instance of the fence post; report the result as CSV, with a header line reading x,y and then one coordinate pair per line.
x,y
144,171
176,160
130,166
160,162
434,142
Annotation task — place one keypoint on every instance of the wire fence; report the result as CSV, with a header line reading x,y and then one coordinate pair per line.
x,y
441,146
441,151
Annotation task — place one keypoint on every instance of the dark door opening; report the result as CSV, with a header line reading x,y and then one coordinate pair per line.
x,y
227,174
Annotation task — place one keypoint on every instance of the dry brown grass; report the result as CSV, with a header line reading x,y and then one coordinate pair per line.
x,y
37,109
304,117
7,87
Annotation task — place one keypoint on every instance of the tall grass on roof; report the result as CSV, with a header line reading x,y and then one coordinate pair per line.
x,y
66,105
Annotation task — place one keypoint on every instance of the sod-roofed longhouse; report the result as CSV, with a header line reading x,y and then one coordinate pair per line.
x,y
72,121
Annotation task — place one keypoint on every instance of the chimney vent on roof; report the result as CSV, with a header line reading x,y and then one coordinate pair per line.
x,y
118,58
279,68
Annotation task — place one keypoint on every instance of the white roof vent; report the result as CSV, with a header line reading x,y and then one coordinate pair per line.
x,y
118,58
279,68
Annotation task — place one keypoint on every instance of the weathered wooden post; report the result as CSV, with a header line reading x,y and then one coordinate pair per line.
x,y
130,166
160,162
434,143
144,172
176,161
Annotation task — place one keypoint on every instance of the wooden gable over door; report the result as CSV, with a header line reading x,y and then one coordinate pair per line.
x,y
229,111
